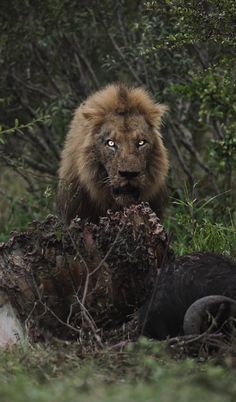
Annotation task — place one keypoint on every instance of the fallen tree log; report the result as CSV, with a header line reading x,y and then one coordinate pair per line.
x,y
84,277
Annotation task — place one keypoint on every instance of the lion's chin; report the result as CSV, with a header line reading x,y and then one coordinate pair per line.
x,y
126,195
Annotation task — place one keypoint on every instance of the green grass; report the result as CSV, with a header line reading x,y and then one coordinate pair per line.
x,y
58,373
201,225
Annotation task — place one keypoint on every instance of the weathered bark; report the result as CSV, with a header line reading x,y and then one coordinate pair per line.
x,y
85,276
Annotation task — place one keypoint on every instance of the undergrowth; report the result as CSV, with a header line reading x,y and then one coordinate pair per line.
x,y
141,373
201,225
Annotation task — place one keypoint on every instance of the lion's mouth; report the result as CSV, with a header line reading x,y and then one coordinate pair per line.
x,y
127,190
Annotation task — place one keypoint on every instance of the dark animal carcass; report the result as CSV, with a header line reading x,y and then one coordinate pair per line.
x,y
190,290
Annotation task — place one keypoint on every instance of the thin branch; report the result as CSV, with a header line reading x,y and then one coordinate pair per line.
x,y
91,323
31,87
9,162
189,146
85,60
43,168
42,63
123,29
124,59
109,251
180,158
203,58
218,129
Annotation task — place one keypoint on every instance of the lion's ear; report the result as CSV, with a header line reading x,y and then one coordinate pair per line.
x,y
95,116
156,114
88,114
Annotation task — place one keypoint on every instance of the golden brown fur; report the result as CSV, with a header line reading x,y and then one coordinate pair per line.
x,y
113,154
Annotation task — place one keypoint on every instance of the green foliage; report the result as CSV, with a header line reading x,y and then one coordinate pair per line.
x,y
20,128
22,210
142,373
19,206
201,225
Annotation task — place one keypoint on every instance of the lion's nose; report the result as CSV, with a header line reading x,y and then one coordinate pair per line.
x,y
127,174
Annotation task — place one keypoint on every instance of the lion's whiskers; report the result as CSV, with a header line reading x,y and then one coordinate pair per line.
x,y
106,180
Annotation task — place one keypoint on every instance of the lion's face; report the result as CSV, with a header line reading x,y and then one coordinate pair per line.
x,y
127,151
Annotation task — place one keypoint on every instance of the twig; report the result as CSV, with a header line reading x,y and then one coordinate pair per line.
x,y
9,162
109,251
101,263
38,52
218,129
35,288
201,57
124,59
180,158
31,87
121,24
85,60
188,145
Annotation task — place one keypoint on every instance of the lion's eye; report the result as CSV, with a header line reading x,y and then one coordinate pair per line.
x,y
141,143
110,143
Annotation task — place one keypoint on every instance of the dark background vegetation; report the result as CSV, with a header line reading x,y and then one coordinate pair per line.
x,y
53,54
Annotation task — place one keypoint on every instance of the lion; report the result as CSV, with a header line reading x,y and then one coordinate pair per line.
x,y
113,155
